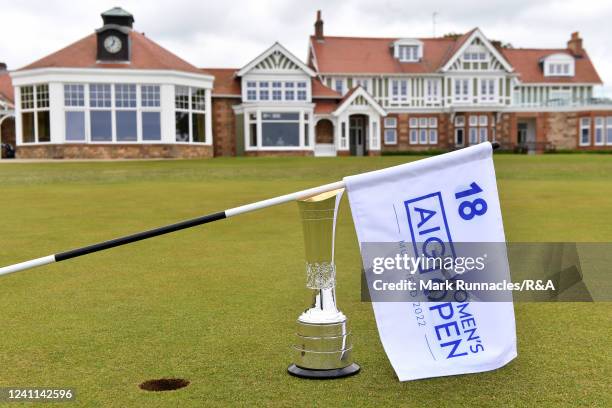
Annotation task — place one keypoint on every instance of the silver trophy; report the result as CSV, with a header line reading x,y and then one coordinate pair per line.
x,y
323,347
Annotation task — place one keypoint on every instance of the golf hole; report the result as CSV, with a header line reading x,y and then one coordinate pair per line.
x,y
164,384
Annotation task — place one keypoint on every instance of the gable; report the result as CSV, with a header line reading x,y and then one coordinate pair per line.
x,y
477,54
276,59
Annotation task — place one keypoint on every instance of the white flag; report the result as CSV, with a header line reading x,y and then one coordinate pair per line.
x,y
447,198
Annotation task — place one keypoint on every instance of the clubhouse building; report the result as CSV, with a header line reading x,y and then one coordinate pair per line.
x,y
117,94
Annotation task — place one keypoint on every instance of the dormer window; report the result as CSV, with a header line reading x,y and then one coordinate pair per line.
x,y
408,50
408,53
559,65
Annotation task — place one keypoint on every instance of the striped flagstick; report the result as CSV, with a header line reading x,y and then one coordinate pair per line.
x,y
100,246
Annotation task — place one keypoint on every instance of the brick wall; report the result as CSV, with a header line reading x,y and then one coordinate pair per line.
x,y
113,151
224,126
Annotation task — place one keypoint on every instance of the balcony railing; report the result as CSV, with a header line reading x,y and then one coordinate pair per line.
x,y
564,103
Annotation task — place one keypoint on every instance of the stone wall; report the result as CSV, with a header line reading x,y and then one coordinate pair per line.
x,y
279,153
224,126
562,129
114,151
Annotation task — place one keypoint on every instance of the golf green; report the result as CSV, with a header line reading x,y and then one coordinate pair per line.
x,y
216,304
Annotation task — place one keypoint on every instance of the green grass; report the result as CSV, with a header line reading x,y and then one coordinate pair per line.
x,y
217,304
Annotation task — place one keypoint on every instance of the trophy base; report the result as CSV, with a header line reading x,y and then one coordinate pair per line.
x,y
323,374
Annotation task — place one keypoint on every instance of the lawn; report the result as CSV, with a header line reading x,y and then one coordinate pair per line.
x,y
217,304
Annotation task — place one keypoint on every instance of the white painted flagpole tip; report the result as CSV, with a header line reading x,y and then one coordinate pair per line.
x,y
33,263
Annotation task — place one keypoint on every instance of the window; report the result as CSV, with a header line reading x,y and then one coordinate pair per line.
x,y
473,135
390,130
432,93
363,82
151,112
487,90
35,120
339,85
462,89
277,92
289,91
478,128
559,69
113,111
74,101
306,131
599,131
264,93
399,90
125,114
433,136
609,130
475,56
301,93
101,128
252,126
251,91
585,131
408,53
459,136
414,139
190,114
423,130
280,129
459,120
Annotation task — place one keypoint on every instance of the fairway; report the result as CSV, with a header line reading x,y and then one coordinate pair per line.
x,y
217,304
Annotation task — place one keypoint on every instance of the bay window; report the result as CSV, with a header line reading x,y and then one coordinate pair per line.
x,y
277,129
35,120
280,129
124,113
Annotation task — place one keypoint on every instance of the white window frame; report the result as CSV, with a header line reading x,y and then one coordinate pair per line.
x,y
585,124
490,88
432,90
466,92
600,129
190,111
390,128
364,82
35,109
423,130
608,135
305,124
403,90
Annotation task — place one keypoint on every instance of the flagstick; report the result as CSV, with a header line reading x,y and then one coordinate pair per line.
x,y
100,246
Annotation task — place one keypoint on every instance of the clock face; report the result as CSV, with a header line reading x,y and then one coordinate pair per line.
x,y
112,44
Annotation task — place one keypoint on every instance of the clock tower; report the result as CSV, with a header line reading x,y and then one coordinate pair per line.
x,y
114,36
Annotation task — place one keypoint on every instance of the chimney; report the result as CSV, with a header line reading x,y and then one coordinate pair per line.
x,y
318,25
2,66
575,45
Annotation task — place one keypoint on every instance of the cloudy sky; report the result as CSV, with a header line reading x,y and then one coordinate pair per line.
x,y
229,33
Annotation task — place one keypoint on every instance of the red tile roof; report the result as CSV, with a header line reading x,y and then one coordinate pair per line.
x,y
225,83
6,87
356,55
321,91
527,63
146,54
374,55
325,106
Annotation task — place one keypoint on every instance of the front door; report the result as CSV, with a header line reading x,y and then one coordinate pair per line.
x,y
357,135
522,134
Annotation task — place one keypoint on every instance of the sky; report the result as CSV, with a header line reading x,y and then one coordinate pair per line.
x,y
230,33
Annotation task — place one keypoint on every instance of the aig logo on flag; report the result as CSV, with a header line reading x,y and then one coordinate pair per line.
x,y
429,228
